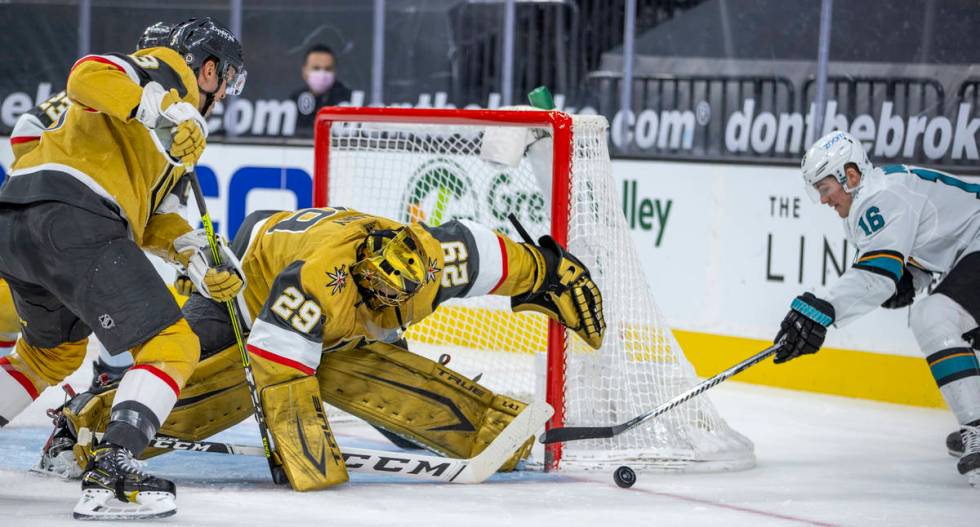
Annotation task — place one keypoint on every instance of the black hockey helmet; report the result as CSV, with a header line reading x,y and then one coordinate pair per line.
x,y
200,39
155,35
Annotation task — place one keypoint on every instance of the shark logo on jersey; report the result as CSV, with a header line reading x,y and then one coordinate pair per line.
x,y
338,279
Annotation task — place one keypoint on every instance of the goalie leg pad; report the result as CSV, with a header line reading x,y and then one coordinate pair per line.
x,y
304,443
566,292
417,398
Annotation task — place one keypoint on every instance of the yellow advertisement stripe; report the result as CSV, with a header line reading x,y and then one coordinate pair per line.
x,y
866,375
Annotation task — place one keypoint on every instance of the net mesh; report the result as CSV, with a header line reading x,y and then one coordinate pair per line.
x,y
433,172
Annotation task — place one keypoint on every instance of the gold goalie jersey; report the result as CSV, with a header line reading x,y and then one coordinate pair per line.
x,y
97,153
297,265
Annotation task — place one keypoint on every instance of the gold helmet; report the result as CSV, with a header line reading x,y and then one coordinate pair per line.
x,y
390,267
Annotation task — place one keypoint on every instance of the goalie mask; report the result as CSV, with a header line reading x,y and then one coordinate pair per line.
x,y
390,267
829,156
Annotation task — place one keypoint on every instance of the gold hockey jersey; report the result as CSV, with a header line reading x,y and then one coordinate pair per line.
x,y
97,155
30,125
304,301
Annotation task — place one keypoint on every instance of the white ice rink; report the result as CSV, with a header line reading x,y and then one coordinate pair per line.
x,y
821,461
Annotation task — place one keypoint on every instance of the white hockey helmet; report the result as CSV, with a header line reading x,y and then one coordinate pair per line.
x,y
828,156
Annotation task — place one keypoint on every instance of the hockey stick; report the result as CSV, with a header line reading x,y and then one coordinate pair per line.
x,y
575,433
278,475
424,467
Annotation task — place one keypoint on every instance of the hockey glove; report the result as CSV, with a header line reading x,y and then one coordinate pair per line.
x,y
804,328
973,337
183,285
904,291
217,282
567,293
178,127
187,142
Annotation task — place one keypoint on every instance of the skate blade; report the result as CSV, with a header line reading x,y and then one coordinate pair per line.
x,y
101,504
61,466
974,478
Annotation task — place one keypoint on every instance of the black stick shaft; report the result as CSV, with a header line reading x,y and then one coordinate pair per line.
x,y
575,433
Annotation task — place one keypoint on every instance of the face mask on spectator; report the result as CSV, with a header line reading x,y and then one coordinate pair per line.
x,y
319,81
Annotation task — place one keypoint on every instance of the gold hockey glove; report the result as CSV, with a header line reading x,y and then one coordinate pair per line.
x,y
566,292
183,285
187,142
217,282
180,129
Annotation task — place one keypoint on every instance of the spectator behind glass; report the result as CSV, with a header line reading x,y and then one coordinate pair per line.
x,y
322,88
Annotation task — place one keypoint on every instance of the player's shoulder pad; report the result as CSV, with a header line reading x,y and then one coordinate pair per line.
x,y
457,249
326,276
877,204
166,67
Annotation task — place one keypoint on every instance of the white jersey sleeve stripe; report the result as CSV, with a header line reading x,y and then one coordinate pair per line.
x,y
283,346
492,259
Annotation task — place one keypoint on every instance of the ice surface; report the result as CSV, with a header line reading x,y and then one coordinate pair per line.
x,y
821,461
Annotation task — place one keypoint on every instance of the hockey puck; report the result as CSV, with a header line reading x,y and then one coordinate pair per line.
x,y
624,477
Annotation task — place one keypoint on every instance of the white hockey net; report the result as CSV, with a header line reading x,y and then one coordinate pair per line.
x,y
422,165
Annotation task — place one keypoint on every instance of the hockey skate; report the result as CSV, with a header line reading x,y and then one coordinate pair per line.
x,y
969,464
954,444
57,457
105,375
114,487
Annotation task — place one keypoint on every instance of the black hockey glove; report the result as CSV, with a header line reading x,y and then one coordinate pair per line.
x,y
804,328
904,292
973,337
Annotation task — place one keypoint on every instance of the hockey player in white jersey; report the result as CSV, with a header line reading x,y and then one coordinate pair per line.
x,y
907,223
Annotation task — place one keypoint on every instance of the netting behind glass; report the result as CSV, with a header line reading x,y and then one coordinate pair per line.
x,y
434,172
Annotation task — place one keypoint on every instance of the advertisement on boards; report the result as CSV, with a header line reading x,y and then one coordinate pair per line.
x,y
724,248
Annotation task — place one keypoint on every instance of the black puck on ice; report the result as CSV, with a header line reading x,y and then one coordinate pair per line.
x,y
624,477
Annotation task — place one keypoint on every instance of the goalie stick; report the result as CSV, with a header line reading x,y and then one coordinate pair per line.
x,y
278,474
576,433
424,467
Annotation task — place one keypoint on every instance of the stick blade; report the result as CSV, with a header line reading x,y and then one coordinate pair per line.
x,y
525,425
576,433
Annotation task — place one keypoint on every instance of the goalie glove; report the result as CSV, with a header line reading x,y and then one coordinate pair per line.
x,y
566,294
219,282
804,328
176,126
